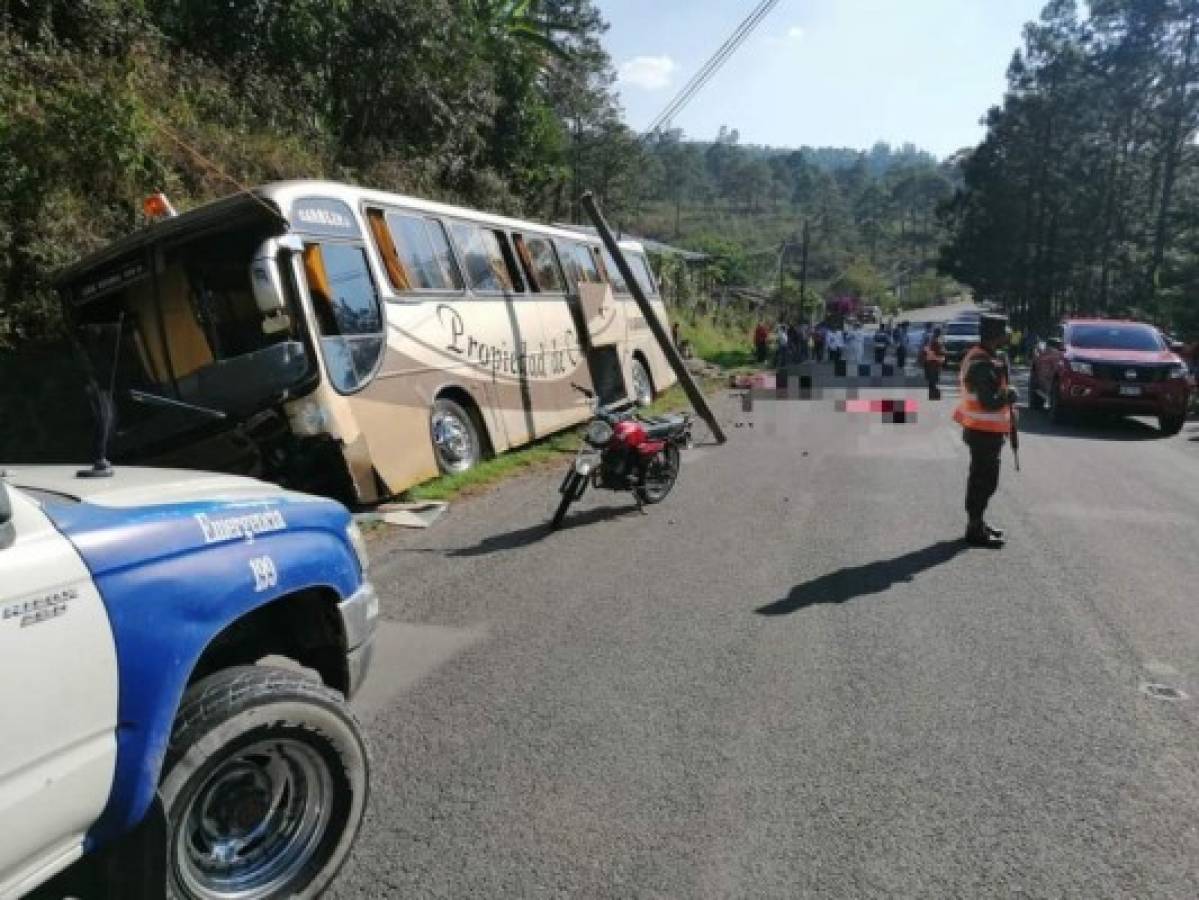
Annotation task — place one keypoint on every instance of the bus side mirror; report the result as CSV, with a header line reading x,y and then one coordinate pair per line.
x,y
266,280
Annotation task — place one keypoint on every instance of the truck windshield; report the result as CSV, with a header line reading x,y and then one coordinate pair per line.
x,y
1115,337
961,328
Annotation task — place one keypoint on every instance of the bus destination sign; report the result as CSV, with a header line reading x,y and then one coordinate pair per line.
x,y
316,215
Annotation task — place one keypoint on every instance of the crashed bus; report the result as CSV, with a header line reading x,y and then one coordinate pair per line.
x,y
354,342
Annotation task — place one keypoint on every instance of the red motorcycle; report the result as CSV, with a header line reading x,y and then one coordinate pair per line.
x,y
623,452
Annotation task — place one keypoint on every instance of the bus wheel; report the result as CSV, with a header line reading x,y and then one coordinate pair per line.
x,y
643,385
455,438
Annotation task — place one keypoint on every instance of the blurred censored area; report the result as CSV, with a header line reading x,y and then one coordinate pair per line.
x,y
841,385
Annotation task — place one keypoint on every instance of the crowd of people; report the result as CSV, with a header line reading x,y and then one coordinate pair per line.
x,y
787,343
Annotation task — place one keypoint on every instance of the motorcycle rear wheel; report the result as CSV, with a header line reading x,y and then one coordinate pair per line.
x,y
660,475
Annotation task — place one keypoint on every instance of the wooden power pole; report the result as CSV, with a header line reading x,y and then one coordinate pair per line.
x,y
698,401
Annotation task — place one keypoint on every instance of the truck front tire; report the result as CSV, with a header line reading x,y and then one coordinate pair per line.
x,y
264,786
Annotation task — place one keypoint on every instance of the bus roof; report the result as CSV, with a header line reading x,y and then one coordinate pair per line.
x,y
278,197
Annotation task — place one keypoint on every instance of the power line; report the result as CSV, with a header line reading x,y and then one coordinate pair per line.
x,y
713,65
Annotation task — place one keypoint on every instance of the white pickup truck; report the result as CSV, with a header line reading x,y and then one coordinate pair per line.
x,y
137,719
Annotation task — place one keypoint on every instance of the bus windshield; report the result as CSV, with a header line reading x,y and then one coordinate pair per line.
x,y
347,310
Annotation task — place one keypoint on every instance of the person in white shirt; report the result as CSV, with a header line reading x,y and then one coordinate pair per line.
x,y
780,334
853,345
836,344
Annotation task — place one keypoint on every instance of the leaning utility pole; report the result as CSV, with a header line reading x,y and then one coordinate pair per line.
x,y
803,273
694,394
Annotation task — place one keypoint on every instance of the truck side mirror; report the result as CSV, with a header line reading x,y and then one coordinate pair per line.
x,y
7,532
266,280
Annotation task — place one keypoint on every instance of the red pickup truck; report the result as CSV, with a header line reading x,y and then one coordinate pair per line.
x,y
1104,365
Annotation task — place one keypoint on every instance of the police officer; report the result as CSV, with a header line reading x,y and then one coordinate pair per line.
x,y
985,414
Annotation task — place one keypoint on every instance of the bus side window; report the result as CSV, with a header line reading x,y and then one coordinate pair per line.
x,y
490,266
526,262
614,277
643,273
422,248
586,265
541,264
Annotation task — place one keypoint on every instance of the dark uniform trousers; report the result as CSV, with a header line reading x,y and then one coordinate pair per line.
x,y
985,449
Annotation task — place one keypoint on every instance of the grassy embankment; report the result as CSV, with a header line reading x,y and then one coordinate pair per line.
x,y
725,346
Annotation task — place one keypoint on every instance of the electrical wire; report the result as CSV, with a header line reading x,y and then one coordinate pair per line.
x,y
696,84
714,63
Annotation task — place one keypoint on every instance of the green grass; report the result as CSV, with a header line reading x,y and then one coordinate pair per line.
x,y
492,471
540,453
728,346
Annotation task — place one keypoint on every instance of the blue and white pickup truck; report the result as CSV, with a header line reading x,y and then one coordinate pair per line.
x,y
158,631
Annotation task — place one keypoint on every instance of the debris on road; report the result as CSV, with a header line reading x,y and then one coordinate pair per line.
x,y
405,515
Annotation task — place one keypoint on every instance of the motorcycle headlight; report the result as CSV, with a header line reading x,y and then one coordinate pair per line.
x,y
354,535
599,433
1082,368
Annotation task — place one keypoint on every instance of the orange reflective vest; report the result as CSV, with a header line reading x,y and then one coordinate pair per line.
x,y
970,413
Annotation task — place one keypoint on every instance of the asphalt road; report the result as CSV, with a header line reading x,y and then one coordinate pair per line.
x,y
792,678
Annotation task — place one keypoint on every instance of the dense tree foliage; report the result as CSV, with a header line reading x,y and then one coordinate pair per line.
x,y
871,216
1084,195
504,104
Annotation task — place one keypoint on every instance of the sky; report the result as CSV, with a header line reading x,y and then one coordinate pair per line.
x,y
843,73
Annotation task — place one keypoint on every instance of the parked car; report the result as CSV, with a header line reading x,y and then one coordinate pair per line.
x,y
1120,367
139,725
960,335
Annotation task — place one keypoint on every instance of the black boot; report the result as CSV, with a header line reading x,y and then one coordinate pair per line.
x,y
978,535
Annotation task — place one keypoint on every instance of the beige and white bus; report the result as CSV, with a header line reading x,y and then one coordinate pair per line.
x,y
355,342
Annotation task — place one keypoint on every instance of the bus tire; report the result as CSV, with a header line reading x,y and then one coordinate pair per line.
x,y
455,436
643,384
243,738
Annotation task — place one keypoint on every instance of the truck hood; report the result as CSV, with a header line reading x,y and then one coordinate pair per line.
x,y
131,486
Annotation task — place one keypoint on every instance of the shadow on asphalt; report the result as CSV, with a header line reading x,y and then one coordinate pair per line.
x,y
859,581
524,537
1090,426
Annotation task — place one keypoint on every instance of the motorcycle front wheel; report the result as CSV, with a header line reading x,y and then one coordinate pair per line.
x,y
660,475
571,491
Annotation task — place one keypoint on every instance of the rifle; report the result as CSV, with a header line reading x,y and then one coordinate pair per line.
x,y
1014,436
1014,432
